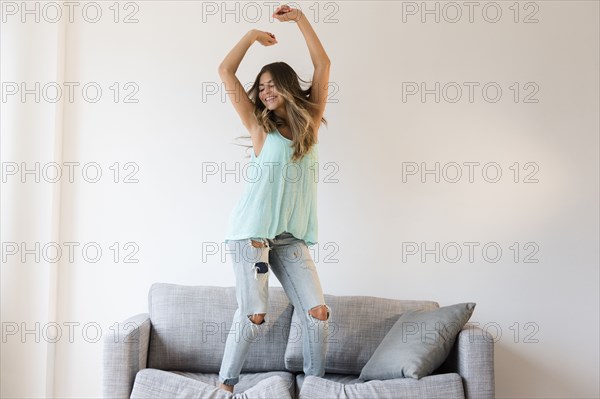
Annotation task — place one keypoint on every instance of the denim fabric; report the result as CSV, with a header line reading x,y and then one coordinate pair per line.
x,y
289,259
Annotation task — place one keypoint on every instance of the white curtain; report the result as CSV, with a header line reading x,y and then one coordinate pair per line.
x,y
31,147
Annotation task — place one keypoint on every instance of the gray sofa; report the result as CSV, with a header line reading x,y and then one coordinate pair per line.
x,y
175,350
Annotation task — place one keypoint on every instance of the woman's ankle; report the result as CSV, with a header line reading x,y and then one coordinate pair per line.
x,y
228,388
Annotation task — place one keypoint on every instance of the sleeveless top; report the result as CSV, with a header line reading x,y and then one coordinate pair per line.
x,y
280,195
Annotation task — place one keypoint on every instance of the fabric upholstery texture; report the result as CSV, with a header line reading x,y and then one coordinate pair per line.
x,y
441,386
247,380
357,325
159,384
190,327
175,351
418,343
124,354
474,354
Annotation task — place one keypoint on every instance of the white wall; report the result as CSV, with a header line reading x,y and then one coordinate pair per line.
x,y
366,217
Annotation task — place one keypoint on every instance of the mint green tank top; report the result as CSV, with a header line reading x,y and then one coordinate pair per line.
x,y
279,195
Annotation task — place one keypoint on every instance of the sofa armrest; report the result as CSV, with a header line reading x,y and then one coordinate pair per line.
x,y
125,353
475,362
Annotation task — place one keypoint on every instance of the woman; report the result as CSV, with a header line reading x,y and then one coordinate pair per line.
x,y
276,218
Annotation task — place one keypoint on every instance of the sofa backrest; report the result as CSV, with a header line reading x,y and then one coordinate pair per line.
x,y
357,325
190,326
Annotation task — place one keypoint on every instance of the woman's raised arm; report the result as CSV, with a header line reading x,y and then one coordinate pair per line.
x,y
234,57
320,60
235,90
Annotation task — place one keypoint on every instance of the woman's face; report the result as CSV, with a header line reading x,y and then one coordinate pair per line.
x,y
267,92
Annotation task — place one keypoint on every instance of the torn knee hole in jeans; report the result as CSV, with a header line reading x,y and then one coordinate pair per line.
x,y
251,317
321,308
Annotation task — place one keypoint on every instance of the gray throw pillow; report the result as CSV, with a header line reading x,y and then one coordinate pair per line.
x,y
418,343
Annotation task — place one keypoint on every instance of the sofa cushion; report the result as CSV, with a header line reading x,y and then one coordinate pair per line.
x,y
357,325
247,380
152,383
418,343
441,386
190,326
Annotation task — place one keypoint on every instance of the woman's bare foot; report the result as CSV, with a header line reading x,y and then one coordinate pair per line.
x,y
228,388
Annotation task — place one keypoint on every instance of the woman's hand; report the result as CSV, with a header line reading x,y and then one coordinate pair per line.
x,y
285,13
265,38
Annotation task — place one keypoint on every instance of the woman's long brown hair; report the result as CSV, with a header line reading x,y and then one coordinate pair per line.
x,y
298,107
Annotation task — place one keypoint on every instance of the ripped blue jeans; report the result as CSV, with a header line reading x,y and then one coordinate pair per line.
x,y
289,258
